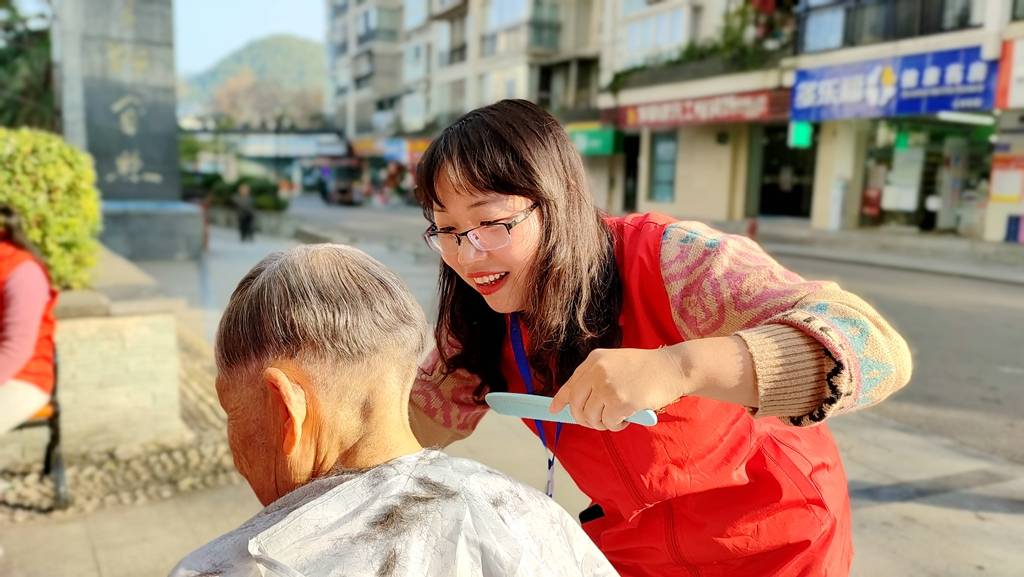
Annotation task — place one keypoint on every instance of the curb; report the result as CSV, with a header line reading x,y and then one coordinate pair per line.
x,y
899,263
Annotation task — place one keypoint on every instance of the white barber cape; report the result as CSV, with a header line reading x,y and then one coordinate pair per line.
x,y
425,514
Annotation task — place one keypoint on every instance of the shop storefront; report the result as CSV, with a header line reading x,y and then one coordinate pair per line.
x,y
902,140
386,168
1004,218
690,157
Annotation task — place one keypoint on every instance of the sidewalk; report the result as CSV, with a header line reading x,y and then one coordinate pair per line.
x,y
904,249
922,505
889,248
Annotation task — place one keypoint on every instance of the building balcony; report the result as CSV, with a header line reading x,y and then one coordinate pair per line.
x,y
448,9
339,8
364,81
848,23
534,36
456,55
379,35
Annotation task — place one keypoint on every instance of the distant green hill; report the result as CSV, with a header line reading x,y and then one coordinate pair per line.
x,y
287,61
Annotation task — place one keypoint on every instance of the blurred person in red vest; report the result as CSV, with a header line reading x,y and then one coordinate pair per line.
x,y
26,326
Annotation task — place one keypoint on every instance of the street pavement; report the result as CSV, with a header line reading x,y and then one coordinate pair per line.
x,y
934,492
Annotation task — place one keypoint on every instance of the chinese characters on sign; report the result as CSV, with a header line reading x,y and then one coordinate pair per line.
x,y
901,86
762,105
128,165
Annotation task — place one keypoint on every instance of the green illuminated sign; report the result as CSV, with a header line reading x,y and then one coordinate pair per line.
x,y
801,134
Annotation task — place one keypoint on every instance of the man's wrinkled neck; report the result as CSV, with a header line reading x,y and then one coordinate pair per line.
x,y
374,434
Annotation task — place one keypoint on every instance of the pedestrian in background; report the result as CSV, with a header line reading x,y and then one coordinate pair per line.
x,y
246,212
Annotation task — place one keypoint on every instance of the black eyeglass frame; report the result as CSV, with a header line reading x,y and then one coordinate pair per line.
x,y
509,222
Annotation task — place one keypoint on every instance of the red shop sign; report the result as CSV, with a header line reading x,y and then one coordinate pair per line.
x,y
762,105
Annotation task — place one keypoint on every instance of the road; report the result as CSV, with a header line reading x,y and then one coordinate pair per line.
x,y
967,337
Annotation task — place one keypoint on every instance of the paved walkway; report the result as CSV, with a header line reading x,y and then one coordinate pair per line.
x,y
922,506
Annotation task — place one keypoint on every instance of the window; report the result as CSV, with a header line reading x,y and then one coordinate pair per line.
x,y
378,24
505,13
415,13
443,41
414,111
630,7
823,29
960,14
1018,9
389,23
414,62
362,65
663,166
696,16
831,24
656,36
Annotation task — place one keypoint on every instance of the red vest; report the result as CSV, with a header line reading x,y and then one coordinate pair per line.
x,y
39,369
709,491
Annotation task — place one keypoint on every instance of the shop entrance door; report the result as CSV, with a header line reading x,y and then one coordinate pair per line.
x,y
631,151
787,175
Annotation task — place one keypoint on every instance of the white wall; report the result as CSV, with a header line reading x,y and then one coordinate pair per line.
x,y
711,176
839,174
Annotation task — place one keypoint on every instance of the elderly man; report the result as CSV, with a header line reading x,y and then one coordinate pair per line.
x,y
316,355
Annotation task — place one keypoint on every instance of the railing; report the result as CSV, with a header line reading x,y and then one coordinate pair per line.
x,y
537,34
363,81
339,8
545,35
827,25
442,8
381,34
453,56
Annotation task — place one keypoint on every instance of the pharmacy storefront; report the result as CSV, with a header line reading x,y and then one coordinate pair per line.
x,y
901,140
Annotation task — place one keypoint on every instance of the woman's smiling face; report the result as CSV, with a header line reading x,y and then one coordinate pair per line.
x,y
500,276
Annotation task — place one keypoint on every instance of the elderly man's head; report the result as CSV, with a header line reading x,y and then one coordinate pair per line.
x,y
316,353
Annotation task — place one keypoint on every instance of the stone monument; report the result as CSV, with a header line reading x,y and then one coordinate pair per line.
x,y
115,74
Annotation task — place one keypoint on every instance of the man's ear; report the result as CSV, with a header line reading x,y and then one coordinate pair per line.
x,y
290,397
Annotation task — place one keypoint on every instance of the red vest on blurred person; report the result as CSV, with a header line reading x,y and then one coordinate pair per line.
x,y
39,369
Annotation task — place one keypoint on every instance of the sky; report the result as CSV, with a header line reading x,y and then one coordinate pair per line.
x,y
207,30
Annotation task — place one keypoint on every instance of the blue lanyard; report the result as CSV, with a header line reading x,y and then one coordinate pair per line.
x,y
527,375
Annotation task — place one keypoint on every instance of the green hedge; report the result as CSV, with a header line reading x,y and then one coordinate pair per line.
x,y
50,185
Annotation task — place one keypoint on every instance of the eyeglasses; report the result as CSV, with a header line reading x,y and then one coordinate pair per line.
x,y
490,235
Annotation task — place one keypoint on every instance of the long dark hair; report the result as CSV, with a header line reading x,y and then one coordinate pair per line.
x,y
11,231
515,148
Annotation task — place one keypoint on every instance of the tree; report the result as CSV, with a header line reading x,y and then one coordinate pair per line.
x,y
254,102
26,71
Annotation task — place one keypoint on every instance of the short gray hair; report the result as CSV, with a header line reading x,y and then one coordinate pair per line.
x,y
324,303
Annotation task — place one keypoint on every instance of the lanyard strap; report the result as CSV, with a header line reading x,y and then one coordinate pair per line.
x,y
523,364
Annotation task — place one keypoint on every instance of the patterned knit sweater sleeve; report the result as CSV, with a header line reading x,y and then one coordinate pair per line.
x,y
818,350
442,407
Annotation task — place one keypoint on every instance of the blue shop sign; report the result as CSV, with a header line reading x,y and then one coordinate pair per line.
x,y
913,85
